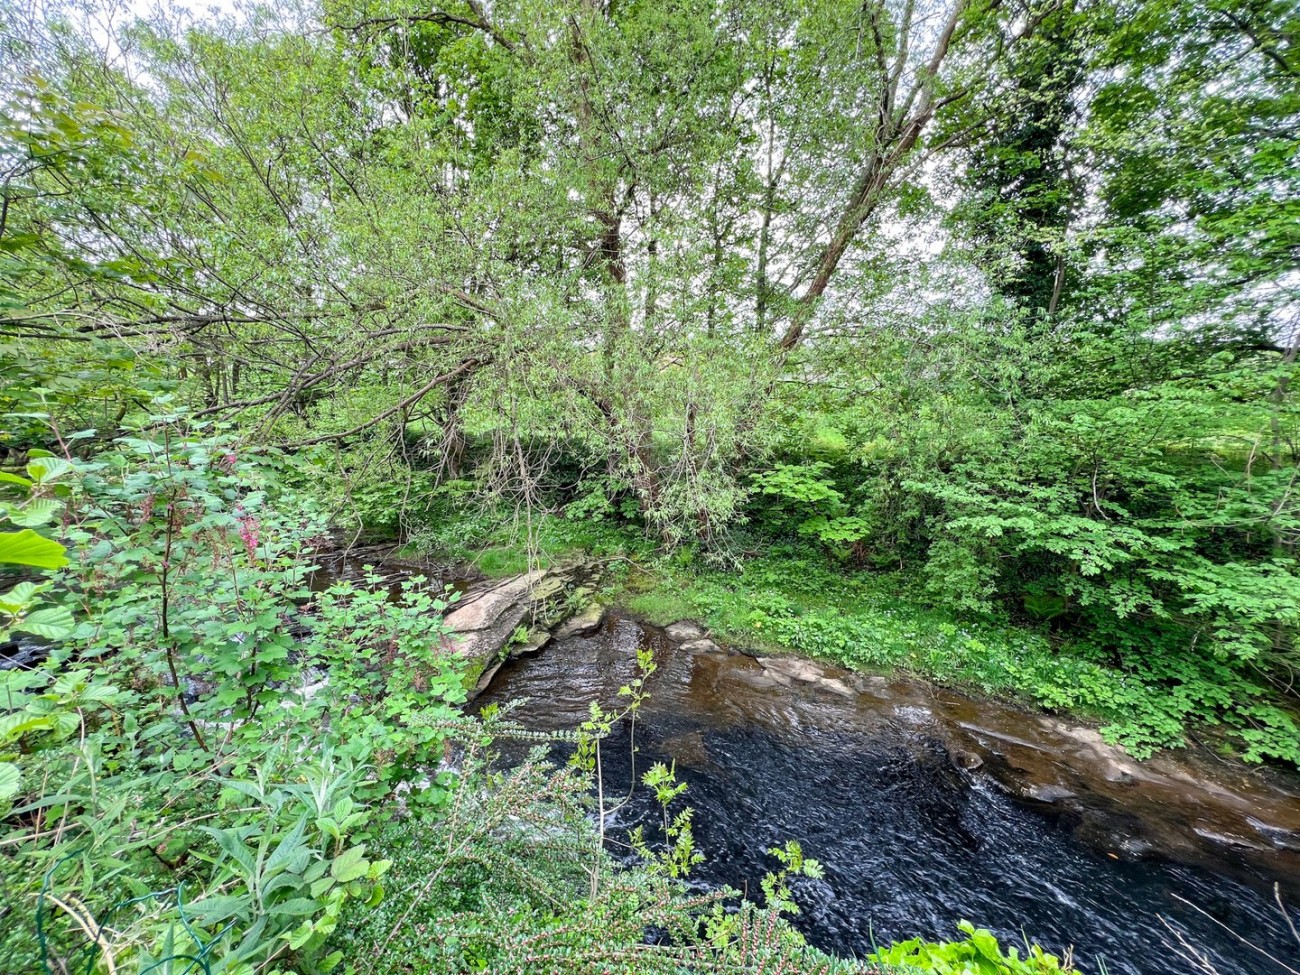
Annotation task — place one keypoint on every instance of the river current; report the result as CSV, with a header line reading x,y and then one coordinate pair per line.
x,y
911,843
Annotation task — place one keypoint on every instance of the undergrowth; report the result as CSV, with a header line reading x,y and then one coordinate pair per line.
x,y
513,879
1147,694
1146,701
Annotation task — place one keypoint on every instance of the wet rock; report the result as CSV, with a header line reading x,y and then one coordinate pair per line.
x,y
869,683
832,681
1135,848
483,622
1041,792
1115,770
532,644
796,668
760,677
700,646
683,630
588,621
485,677
835,686
963,758
1277,836
1181,805
1229,839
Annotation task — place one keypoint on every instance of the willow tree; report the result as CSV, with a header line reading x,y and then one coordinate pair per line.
x,y
608,223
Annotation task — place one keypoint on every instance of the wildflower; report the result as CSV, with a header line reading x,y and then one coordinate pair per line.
x,y
248,528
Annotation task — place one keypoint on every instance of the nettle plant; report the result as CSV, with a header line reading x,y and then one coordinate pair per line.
x,y
198,757
32,504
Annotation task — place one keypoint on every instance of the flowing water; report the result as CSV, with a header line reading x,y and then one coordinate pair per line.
x,y
910,842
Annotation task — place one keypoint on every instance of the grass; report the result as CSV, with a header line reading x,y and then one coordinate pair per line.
x,y
500,546
780,604
791,602
795,600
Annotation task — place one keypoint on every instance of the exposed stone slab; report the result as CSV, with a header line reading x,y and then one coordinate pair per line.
x,y
534,643
587,621
700,646
796,668
683,630
483,622
483,609
1044,792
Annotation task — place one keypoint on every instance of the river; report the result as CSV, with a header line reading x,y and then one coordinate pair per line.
x,y
911,840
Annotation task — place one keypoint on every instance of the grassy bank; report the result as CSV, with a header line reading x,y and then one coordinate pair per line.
x,y
794,599
870,622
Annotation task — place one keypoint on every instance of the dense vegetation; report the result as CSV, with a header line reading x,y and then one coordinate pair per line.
x,y
948,335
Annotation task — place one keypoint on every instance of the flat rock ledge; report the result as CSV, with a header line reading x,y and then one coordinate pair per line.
x,y
683,631
1186,805
585,623
498,621
484,626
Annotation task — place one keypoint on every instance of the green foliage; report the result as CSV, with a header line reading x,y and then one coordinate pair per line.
x,y
978,953
794,601
636,280
211,774
515,880
39,503
821,509
679,854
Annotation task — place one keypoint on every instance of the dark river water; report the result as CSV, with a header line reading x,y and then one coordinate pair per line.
x,y
910,843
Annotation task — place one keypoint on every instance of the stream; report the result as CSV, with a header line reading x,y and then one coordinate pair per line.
x,y
864,778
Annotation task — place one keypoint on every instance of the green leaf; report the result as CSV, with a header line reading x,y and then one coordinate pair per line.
x,y
296,907
24,723
46,469
300,935
51,622
11,781
28,548
215,909
350,865
986,945
19,598
232,843
37,512
291,851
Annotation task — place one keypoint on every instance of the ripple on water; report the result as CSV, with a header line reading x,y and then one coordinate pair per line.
x,y
910,844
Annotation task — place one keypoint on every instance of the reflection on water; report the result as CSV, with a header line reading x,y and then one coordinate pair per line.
x,y
909,843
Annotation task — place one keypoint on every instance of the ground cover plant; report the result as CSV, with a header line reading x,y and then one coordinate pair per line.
x,y
945,336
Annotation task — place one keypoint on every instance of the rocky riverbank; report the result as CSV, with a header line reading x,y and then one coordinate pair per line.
x,y
1190,806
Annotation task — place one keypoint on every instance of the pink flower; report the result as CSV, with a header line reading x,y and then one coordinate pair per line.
x,y
248,527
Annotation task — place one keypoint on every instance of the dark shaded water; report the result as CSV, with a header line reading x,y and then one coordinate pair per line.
x,y
910,844
380,566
